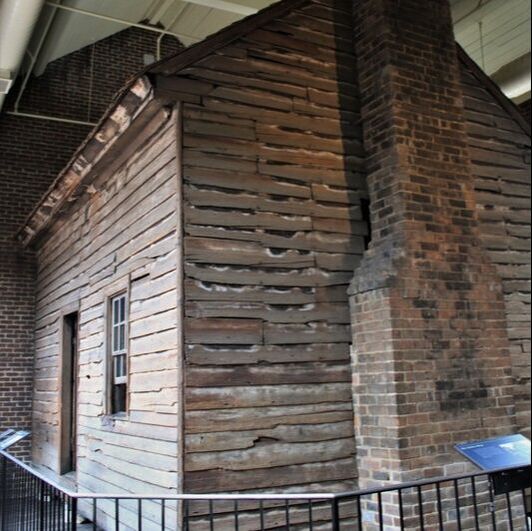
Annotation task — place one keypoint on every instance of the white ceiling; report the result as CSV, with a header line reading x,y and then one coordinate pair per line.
x,y
495,33
191,20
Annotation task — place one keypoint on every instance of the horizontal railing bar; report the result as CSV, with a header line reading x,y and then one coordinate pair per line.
x,y
206,497
297,496
425,482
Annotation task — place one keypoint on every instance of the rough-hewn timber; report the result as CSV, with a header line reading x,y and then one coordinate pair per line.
x,y
273,180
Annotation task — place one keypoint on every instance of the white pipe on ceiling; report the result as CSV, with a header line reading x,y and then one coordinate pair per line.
x,y
17,20
121,21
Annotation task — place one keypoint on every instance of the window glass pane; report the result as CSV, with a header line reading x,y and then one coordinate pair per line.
x,y
122,337
115,339
118,398
115,311
120,366
122,309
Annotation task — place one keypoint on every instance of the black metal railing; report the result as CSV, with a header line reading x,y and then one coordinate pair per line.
x,y
31,502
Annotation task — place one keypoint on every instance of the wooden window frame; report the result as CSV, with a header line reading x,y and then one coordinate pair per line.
x,y
116,326
118,289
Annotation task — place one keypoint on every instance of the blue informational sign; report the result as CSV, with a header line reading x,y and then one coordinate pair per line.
x,y
501,452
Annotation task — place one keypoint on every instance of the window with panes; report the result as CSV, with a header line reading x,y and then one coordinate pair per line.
x,y
118,351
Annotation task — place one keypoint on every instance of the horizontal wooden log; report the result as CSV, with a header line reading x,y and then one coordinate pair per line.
x,y
318,332
269,247
276,204
213,420
279,277
223,331
284,136
253,182
217,129
223,480
232,440
333,313
246,396
303,373
234,252
258,354
239,219
268,454
231,79
198,290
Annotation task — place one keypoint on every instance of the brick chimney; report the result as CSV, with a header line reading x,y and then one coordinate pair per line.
x,y
431,364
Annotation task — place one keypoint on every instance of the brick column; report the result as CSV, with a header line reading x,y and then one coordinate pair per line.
x,y
431,365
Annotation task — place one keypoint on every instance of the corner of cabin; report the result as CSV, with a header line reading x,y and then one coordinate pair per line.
x,y
273,193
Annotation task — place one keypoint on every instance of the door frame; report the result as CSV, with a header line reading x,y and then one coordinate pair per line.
x,y
67,404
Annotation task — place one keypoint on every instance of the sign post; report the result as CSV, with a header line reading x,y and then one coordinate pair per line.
x,y
511,451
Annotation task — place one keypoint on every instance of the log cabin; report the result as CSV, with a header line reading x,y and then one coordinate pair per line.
x,y
292,257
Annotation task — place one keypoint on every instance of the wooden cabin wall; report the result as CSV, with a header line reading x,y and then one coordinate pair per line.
x,y
273,182
500,152
126,230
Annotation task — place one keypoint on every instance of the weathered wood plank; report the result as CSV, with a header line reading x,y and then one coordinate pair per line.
x,y
302,373
242,419
280,313
280,277
266,395
258,354
232,440
198,290
224,331
220,480
270,454
254,183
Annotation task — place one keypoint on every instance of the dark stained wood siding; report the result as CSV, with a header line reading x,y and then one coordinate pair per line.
x,y
500,152
273,180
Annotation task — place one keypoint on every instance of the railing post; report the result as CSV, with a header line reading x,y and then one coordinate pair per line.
x,y
74,513
3,484
335,512
41,505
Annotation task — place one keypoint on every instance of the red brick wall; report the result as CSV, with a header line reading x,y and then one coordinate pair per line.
x,y
32,152
81,85
431,352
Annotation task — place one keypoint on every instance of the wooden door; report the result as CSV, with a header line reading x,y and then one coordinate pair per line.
x,y
69,393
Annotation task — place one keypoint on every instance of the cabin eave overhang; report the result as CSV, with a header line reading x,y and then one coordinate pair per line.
x,y
126,109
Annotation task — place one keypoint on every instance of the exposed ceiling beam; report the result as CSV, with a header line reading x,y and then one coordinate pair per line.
x,y
160,11
514,77
225,5
477,14
123,22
